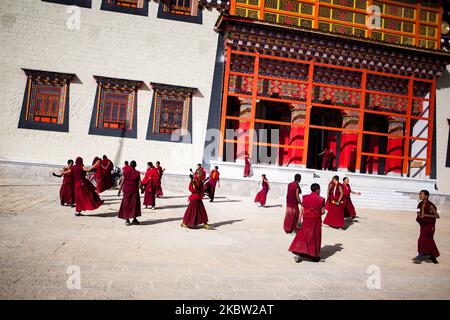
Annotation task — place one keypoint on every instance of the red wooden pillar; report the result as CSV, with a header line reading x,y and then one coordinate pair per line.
x,y
347,151
395,146
296,134
242,133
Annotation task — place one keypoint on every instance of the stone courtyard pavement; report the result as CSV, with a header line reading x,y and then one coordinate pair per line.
x,y
244,257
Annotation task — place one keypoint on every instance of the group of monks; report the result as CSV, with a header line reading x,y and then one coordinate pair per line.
x,y
306,222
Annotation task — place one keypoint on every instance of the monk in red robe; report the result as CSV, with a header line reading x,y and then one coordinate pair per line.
x,y
247,166
335,207
159,192
85,196
210,185
130,208
107,167
67,192
325,159
200,172
426,217
292,201
150,182
352,161
124,168
261,196
195,213
99,181
308,240
349,208
332,157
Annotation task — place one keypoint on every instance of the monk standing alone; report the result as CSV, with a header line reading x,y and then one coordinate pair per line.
x,y
130,207
426,217
292,202
308,240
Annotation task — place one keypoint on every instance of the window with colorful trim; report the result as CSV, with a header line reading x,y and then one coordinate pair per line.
x,y
138,7
46,101
171,115
180,10
115,108
80,3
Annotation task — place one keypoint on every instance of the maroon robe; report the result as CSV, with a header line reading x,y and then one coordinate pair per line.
x,y
261,196
67,192
326,160
107,167
195,213
349,208
309,237
130,207
99,180
85,196
426,244
247,167
292,210
335,215
159,192
210,186
151,183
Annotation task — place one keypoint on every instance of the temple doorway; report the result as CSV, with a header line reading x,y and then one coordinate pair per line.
x,y
374,144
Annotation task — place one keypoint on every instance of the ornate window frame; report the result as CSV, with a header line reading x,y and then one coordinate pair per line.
x,y
181,98
195,17
79,3
109,5
37,80
118,87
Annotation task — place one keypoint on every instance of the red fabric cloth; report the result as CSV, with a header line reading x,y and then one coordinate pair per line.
x,y
308,239
107,167
326,160
85,196
291,195
261,196
349,208
130,206
67,191
426,243
247,167
150,181
335,215
159,192
195,213
99,180
291,218
210,186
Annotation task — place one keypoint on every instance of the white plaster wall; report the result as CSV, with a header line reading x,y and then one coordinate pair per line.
x,y
34,35
442,114
419,147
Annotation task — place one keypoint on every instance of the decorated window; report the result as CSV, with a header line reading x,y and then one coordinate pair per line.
x,y
171,112
139,7
180,10
80,3
46,102
115,107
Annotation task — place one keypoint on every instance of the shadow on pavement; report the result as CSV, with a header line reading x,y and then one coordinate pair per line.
x,y
329,250
223,223
157,221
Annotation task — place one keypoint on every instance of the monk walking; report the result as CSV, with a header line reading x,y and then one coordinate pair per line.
x,y
349,208
210,185
195,213
426,217
150,182
130,208
247,166
67,192
107,167
159,192
292,202
335,215
308,240
261,196
85,196
124,168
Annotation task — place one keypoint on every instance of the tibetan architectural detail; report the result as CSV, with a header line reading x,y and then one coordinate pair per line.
x,y
46,100
331,49
171,109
